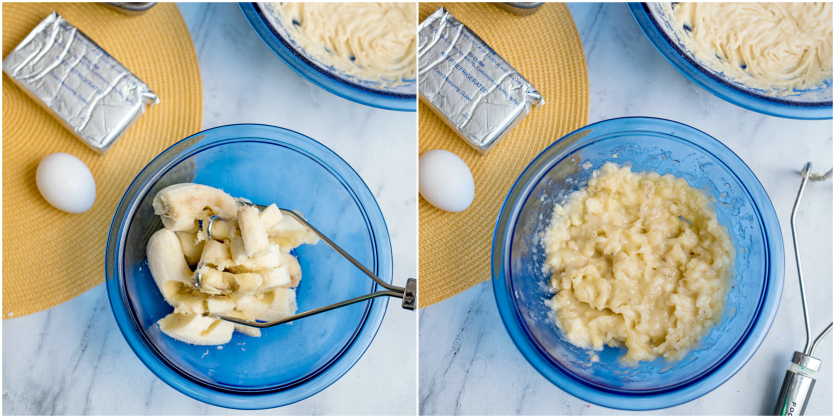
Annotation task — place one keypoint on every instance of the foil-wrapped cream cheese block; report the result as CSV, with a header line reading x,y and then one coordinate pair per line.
x,y
476,92
87,90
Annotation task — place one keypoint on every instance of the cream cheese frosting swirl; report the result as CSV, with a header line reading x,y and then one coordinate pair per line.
x,y
777,47
369,41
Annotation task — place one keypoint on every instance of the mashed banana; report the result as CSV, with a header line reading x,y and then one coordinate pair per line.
x,y
640,260
370,41
770,46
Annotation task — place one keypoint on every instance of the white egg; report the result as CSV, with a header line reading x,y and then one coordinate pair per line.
x,y
445,181
66,183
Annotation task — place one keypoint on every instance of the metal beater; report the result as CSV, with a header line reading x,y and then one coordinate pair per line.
x,y
407,293
800,378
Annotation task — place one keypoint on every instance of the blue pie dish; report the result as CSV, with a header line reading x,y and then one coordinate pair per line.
x,y
376,94
813,103
521,286
288,362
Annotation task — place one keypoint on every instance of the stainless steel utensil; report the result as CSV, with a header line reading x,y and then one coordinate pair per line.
x,y
799,380
131,8
407,293
521,8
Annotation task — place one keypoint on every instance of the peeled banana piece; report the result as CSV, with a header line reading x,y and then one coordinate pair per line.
x,y
180,204
186,300
197,329
293,268
269,306
215,282
168,264
274,278
245,270
191,248
270,260
247,283
220,305
252,307
270,216
216,254
244,329
253,234
221,230
289,233
247,330
283,305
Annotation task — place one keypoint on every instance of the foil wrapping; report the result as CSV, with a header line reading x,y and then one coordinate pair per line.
x,y
80,84
473,89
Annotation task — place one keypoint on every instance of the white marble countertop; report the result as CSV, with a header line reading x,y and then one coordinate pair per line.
x,y
72,359
468,364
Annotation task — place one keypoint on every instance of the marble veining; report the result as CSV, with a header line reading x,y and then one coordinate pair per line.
x,y
73,360
468,364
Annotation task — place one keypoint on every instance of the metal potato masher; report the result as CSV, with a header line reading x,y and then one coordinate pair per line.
x,y
800,378
407,293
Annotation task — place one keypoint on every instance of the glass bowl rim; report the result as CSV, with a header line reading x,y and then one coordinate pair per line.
x,y
632,400
717,86
300,64
134,335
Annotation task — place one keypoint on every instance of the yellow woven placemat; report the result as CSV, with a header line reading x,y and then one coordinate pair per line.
x,y
546,49
51,256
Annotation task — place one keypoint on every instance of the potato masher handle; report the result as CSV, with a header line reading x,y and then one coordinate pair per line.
x,y
410,282
799,379
407,293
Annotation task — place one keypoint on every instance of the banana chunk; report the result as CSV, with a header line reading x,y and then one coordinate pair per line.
x,y
293,268
222,230
179,205
247,283
270,216
185,299
216,254
167,263
220,305
282,306
215,282
270,306
236,249
244,329
253,234
289,233
253,306
246,270
196,329
274,278
247,330
244,264
191,248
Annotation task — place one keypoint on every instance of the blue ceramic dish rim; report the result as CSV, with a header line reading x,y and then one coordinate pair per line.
x,y
717,86
300,64
134,335
625,400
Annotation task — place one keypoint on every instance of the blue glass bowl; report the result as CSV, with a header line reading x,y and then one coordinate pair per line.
x,y
808,104
289,362
370,93
521,287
